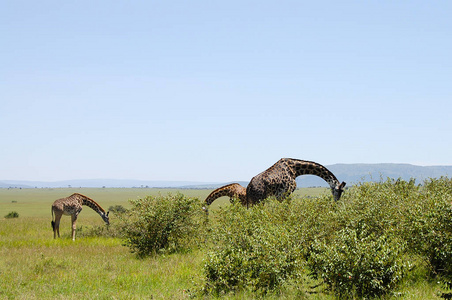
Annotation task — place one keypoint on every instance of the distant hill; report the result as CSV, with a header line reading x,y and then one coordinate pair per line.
x,y
350,173
354,173
4,185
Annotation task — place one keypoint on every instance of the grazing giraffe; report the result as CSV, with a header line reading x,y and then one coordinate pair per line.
x,y
233,190
72,206
279,180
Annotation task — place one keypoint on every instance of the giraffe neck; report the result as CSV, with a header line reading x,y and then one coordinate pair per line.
x,y
94,206
304,167
230,190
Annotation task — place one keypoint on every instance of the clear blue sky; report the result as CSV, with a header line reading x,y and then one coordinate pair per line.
x,y
220,90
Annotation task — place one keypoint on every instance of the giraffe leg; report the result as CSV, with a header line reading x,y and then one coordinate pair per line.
x,y
74,220
56,226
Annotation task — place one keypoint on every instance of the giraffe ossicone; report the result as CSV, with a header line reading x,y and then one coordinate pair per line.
x,y
72,206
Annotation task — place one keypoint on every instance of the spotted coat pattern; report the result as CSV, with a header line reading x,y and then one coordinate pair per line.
x,y
72,206
279,180
233,190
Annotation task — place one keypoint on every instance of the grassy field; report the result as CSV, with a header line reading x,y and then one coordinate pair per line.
x,y
35,266
37,202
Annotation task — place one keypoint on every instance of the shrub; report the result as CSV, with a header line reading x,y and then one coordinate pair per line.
x,y
380,205
163,224
359,238
428,228
253,249
358,246
11,215
358,263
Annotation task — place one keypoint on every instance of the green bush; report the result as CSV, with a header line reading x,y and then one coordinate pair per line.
x,y
253,249
355,245
361,246
11,215
428,228
381,206
163,224
358,263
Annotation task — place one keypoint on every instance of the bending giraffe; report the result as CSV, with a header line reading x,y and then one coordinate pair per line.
x,y
233,190
72,206
279,180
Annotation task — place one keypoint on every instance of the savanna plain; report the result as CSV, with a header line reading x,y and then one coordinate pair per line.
x,y
306,247
35,266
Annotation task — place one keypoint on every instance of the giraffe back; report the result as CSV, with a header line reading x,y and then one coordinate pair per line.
x,y
278,181
71,205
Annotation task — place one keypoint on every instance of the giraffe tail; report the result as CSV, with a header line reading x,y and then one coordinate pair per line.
x,y
52,222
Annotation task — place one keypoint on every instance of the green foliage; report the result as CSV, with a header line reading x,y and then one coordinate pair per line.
x,y
429,227
357,261
370,235
11,215
358,246
163,224
381,228
362,250
252,249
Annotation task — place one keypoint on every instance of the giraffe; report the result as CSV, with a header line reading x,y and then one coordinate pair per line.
x,y
233,190
72,206
279,180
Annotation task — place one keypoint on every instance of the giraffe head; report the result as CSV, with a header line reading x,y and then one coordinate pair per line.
x,y
338,190
105,217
